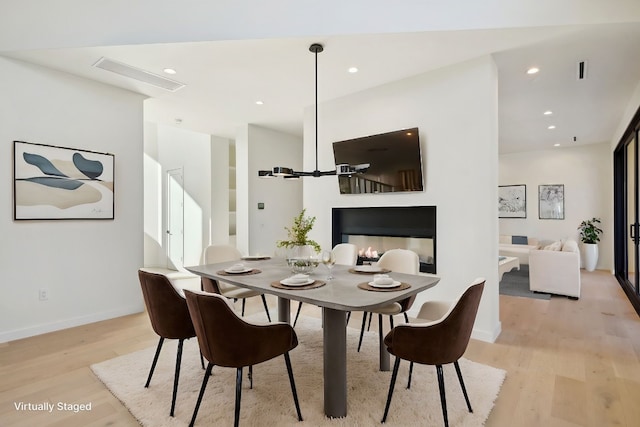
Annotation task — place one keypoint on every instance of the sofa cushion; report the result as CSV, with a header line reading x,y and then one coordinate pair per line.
x,y
519,240
570,246
555,246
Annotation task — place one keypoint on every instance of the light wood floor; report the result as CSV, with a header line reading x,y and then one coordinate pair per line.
x,y
568,363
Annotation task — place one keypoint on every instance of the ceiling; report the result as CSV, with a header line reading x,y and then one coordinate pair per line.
x,y
224,79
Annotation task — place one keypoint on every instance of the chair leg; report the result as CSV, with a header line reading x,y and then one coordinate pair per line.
x,y
201,360
364,322
348,317
250,375
370,317
464,389
297,314
287,360
394,375
391,321
155,360
244,301
443,398
236,419
406,318
176,376
266,307
410,373
202,388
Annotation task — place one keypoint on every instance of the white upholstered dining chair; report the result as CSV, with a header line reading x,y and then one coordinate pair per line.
x,y
224,253
400,261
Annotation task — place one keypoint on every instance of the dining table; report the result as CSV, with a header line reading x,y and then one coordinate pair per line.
x,y
349,290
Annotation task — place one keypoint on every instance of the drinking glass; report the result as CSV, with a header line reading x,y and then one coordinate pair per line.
x,y
328,259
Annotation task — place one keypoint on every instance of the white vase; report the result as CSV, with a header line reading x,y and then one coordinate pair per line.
x,y
590,256
302,259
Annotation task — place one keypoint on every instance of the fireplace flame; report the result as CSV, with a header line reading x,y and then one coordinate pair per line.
x,y
368,253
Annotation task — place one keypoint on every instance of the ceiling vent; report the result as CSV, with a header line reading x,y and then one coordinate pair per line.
x,y
138,74
582,70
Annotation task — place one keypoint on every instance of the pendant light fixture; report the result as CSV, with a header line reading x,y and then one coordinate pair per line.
x,y
287,172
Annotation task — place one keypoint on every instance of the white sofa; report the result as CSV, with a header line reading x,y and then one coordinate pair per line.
x,y
555,269
507,247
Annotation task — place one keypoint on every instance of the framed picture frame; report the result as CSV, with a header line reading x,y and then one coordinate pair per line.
x,y
512,201
52,182
551,201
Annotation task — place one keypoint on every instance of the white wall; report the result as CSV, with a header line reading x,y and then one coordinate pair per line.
x,y
258,148
455,109
204,162
89,267
587,174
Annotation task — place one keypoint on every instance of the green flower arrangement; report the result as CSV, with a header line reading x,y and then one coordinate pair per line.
x,y
297,234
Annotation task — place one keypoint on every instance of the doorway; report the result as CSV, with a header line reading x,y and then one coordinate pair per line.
x,y
175,218
627,212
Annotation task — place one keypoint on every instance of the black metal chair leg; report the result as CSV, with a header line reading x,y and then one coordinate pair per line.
x,y
406,318
244,301
464,389
348,317
297,314
391,321
250,375
236,420
443,398
410,373
176,377
394,375
370,317
293,385
364,321
201,360
155,360
202,388
266,307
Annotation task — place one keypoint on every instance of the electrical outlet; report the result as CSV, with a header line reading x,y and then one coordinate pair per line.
x,y
43,294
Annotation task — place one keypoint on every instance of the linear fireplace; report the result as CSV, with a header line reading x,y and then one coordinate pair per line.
x,y
377,229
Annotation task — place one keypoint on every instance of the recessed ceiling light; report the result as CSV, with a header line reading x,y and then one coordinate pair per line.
x,y
548,113
532,70
259,103
353,70
551,127
556,145
169,71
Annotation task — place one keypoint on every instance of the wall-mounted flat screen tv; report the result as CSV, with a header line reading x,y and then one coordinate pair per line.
x,y
385,163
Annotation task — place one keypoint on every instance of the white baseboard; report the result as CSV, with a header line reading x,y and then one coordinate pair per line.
x,y
68,323
487,336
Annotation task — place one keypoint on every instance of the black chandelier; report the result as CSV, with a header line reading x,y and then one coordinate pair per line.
x,y
286,172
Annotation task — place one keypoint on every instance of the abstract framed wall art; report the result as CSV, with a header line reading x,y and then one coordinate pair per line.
x,y
512,201
61,183
551,201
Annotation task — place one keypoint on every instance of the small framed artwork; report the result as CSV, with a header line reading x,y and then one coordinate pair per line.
x,y
551,201
512,201
61,183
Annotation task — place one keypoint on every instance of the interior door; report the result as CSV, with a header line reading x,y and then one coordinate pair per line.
x,y
175,218
633,237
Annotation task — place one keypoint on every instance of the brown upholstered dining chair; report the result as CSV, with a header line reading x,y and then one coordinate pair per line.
x,y
169,317
400,261
223,253
229,341
436,343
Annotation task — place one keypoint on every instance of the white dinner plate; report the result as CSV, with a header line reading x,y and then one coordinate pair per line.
x,y
246,270
286,282
395,284
255,257
368,269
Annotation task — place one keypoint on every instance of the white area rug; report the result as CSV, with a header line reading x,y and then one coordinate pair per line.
x,y
270,402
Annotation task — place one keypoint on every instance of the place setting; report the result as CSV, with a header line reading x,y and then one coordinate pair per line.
x,y
298,281
383,283
368,269
238,269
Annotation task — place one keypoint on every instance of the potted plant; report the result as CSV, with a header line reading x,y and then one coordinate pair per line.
x,y
302,251
590,236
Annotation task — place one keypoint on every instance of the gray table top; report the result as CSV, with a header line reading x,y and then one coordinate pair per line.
x,y
340,293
